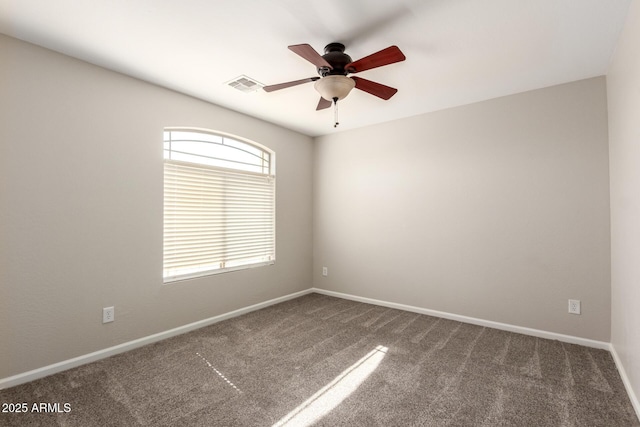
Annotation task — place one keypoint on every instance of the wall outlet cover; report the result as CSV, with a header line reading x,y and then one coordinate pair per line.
x,y
574,306
108,314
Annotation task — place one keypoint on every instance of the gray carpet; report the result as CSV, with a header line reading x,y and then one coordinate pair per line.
x,y
319,360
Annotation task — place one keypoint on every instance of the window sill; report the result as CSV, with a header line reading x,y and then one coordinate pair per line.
x,y
180,278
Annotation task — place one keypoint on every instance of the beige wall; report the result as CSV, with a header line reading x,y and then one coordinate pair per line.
x,y
623,87
81,210
497,210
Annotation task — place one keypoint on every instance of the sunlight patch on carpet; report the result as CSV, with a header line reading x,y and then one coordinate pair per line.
x,y
225,379
331,395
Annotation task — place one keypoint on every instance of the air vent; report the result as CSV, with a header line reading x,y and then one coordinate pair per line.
x,y
245,84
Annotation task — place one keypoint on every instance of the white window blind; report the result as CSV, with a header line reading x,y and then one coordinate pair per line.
x,y
215,218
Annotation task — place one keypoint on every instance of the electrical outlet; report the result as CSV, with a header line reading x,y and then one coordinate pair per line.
x,y
574,306
108,314
325,271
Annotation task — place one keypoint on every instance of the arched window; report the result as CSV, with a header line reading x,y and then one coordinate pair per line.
x,y
219,204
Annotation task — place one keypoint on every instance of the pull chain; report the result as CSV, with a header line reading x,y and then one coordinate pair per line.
x,y
335,112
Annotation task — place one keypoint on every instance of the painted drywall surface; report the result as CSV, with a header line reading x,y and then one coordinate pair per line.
x,y
81,210
623,90
497,210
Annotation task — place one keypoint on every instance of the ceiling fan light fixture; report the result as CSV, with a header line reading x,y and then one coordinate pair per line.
x,y
332,87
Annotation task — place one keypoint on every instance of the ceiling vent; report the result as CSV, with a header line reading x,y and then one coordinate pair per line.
x,y
245,84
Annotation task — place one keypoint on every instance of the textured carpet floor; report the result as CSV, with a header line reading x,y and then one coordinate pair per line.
x,y
319,360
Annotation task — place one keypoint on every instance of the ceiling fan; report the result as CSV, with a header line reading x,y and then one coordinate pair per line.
x,y
334,67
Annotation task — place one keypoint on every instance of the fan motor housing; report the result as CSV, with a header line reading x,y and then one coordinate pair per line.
x,y
334,55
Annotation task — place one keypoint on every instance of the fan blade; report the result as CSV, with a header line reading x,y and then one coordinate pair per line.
x,y
377,89
271,88
387,56
309,53
322,104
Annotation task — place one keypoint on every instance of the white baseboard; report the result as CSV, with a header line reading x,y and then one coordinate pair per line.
x,y
625,380
475,321
121,348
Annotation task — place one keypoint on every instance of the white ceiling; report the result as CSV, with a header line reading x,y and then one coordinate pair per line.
x,y
458,51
